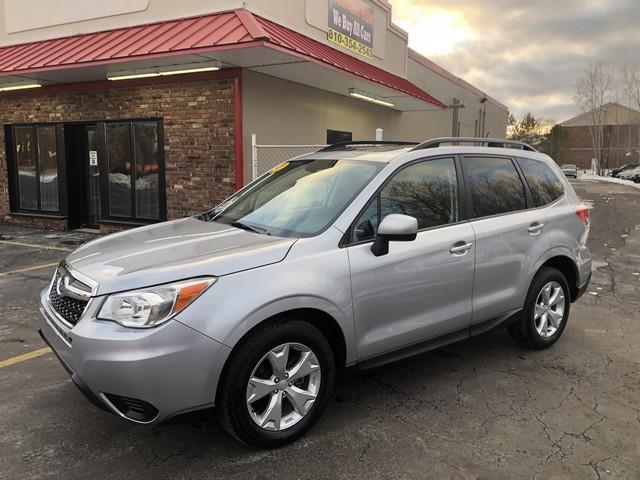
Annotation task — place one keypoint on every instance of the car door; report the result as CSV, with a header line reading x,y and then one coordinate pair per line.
x,y
421,289
510,235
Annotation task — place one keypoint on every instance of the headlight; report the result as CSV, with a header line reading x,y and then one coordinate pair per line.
x,y
150,307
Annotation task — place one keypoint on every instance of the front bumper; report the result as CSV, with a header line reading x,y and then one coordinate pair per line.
x,y
172,368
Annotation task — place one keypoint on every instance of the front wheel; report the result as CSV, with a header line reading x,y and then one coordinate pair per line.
x,y
277,383
546,311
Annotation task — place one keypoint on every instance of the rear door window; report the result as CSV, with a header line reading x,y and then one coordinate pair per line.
x,y
495,186
544,184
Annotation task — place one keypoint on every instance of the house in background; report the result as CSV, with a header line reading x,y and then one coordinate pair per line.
x,y
621,145
127,112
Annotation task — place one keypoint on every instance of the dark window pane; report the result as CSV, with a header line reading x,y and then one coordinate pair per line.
x,y
337,136
48,162
427,191
25,159
495,186
367,225
147,170
544,184
120,164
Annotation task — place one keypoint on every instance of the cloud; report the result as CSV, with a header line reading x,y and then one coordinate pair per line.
x,y
526,53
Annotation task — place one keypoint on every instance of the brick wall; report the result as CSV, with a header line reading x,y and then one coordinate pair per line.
x,y
577,146
198,135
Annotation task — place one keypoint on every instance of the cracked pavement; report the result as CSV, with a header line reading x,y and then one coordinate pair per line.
x,y
481,409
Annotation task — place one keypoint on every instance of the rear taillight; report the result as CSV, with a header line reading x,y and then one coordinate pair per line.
x,y
582,211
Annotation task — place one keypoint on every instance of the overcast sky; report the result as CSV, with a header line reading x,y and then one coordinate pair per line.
x,y
525,53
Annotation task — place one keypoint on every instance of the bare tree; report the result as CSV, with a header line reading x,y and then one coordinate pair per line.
x,y
593,92
631,84
631,90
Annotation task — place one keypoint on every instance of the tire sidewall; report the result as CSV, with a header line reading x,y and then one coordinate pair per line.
x,y
290,332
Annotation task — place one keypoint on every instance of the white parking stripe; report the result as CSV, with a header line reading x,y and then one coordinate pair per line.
x,y
28,269
31,245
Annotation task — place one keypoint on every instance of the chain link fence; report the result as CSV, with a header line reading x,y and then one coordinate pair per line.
x,y
266,157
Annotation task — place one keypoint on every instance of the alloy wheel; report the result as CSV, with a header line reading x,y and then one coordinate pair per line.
x,y
283,386
549,309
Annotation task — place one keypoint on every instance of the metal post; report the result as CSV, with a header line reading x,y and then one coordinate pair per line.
x,y
254,157
379,134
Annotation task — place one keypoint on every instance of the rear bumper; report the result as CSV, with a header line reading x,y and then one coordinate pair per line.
x,y
170,369
583,288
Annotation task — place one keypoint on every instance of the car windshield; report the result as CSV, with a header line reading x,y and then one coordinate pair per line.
x,y
299,198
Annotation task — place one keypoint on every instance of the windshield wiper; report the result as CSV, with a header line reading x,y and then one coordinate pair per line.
x,y
250,228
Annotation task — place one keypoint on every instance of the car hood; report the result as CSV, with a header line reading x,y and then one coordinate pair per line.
x,y
173,251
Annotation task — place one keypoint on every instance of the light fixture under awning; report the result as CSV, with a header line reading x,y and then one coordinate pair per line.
x,y
368,97
134,75
10,88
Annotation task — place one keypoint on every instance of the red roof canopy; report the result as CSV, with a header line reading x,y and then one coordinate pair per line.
x,y
220,31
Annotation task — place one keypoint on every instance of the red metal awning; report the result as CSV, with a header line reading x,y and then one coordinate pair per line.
x,y
210,33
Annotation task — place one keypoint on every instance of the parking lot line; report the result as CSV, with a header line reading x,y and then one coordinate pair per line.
x,y
28,269
31,245
24,357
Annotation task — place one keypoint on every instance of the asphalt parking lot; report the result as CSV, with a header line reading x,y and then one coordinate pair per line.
x,y
480,409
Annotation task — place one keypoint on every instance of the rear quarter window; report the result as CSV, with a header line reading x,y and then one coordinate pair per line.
x,y
545,186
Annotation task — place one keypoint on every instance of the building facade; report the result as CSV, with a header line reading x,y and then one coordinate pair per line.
x,y
621,138
129,112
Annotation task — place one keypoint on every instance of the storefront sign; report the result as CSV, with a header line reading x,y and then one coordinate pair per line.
x,y
351,26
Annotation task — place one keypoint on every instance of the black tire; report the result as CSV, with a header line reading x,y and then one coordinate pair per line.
x,y
231,400
524,330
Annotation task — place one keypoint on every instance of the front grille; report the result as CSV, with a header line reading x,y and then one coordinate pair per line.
x,y
68,308
68,305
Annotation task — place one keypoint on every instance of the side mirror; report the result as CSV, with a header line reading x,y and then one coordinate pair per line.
x,y
394,228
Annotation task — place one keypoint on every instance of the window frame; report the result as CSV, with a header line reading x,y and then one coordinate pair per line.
x,y
553,202
13,170
347,239
103,152
529,203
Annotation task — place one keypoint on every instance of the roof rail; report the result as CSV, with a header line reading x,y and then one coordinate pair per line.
x,y
365,143
485,142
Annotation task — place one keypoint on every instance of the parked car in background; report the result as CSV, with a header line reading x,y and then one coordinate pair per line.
x,y
632,174
353,256
570,170
629,166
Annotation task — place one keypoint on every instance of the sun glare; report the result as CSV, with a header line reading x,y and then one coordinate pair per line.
x,y
432,31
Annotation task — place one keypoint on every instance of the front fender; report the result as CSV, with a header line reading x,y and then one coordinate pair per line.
x,y
287,304
237,303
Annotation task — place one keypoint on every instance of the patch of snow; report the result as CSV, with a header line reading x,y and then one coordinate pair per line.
x,y
619,181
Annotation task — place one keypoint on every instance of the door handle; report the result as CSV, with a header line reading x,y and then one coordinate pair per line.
x,y
535,228
460,248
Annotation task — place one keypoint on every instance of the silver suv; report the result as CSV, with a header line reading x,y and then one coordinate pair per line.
x,y
353,256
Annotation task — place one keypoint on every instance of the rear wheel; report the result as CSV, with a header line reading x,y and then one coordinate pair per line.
x,y
277,383
546,311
